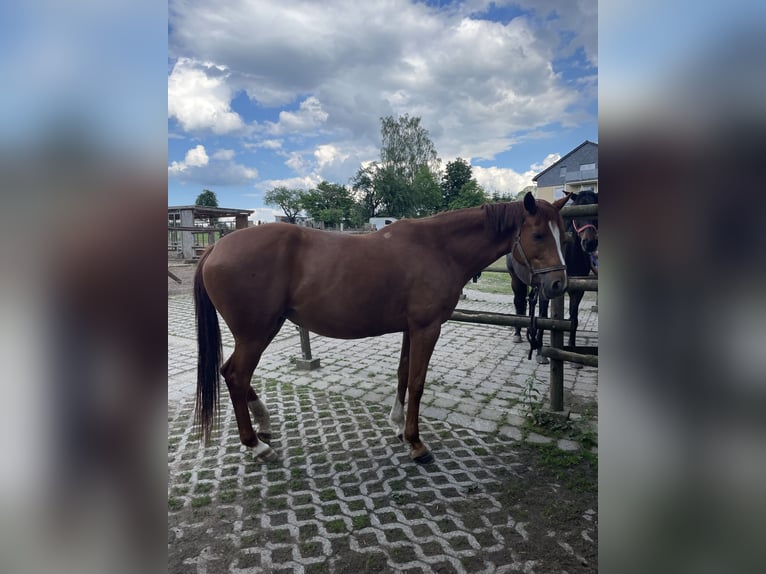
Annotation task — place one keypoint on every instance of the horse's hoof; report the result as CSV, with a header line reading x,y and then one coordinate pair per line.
x,y
516,339
426,458
400,436
269,455
264,437
542,360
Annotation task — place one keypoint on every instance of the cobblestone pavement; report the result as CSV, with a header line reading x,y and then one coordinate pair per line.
x,y
344,496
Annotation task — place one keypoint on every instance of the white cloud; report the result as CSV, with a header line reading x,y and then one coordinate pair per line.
x,y
304,182
224,154
195,157
508,181
197,167
307,118
199,98
325,73
474,84
264,214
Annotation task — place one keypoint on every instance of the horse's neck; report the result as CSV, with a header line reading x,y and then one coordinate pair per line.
x,y
470,244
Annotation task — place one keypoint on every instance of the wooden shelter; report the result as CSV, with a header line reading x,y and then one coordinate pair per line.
x,y
191,228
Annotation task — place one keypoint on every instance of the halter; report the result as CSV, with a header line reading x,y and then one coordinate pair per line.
x,y
528,278
530,272
584,227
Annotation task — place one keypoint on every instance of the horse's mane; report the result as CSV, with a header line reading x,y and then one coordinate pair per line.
x,y
500,218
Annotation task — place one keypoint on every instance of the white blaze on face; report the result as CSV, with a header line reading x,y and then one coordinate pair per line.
x,y
555,232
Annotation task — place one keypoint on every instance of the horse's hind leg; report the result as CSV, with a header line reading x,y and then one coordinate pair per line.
x,y
260,416
237,372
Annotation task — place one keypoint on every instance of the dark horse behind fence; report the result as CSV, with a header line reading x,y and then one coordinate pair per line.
x,y
404,278
578,255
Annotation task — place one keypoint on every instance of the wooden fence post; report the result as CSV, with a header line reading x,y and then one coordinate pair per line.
x,y
557,365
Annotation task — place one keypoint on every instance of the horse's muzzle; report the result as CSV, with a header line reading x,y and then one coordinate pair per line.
x,y
554,286
589,245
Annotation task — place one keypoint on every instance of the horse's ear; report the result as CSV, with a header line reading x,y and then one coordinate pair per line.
x,y
529,203
560,202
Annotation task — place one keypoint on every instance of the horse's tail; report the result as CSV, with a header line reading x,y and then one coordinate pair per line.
x,y
209,355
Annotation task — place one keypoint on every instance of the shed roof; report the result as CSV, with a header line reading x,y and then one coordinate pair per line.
x,y
206,211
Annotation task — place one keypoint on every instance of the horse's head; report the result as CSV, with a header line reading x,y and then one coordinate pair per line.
x,y
537,257
586,228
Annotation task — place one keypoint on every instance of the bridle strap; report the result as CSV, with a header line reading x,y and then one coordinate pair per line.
x,y
531,271
584,227
534,289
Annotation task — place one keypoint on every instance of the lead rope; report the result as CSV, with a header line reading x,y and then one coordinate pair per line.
x,y
532,330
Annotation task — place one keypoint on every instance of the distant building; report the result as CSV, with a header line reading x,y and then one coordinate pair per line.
x,y
576,171
381,222
191,228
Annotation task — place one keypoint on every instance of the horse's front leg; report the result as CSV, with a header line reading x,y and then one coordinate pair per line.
x,y
543,313
396,418
519,304
422,343
574,308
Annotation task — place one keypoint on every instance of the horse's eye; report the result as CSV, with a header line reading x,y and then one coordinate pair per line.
x,y
538,237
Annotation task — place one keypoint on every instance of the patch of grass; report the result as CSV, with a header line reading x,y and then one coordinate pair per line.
x,y
175,504
490,282
278,503
277,489
310,549
203,487
327,495
361,521
578,470
228,496
336,526
200,501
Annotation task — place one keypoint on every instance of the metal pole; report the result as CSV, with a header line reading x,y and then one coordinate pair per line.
x,y
306,363
305,343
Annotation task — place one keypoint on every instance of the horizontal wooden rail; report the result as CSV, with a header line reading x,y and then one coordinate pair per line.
x,y
574,283
562,355
507,320
580,211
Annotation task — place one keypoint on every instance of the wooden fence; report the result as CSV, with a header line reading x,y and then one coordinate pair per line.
x,y
557,353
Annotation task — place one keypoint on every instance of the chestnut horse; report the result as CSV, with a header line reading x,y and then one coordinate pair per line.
x,y
578,255
406,278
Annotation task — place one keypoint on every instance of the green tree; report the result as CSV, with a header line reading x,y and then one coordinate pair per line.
x,y
397,199
288,199
207,198
426,193
471,195
367,200
406,147
456,174
329,203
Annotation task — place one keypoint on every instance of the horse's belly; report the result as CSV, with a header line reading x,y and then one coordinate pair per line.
x,y
347,323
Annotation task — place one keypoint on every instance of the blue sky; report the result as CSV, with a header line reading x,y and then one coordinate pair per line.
x,y
266,93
